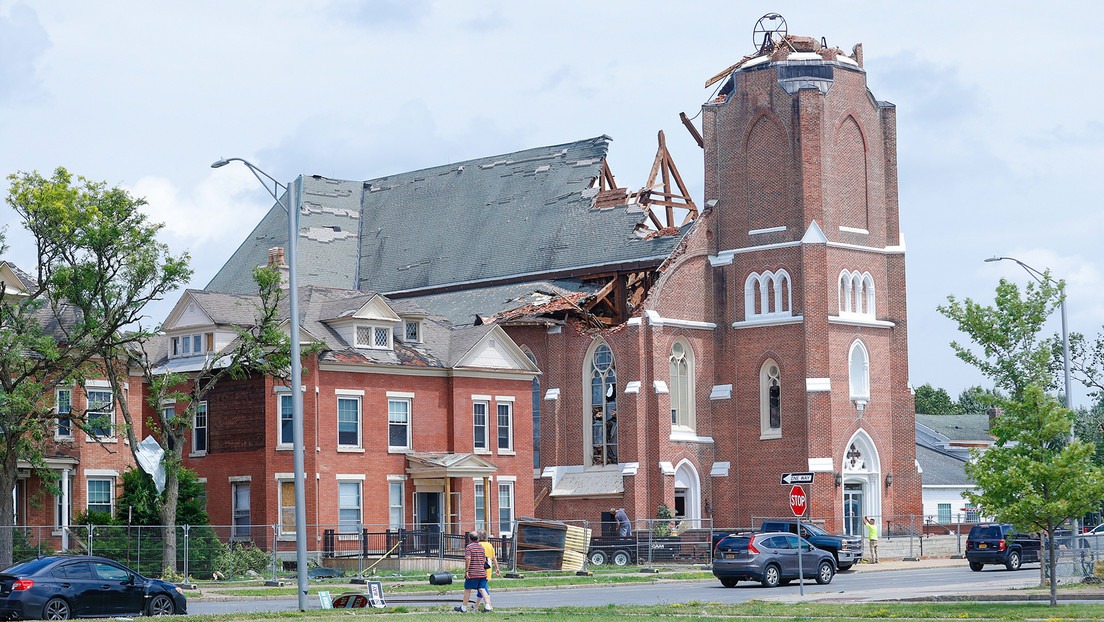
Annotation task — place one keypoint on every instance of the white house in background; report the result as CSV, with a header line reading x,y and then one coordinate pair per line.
x,y
943,445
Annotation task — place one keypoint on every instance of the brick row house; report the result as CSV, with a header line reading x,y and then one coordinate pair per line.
x,y
408,421
88,467
688,356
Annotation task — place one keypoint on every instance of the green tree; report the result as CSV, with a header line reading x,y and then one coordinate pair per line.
x,y
1087,362
1013,353
1034,476
98,265
976,400
260,348
932,401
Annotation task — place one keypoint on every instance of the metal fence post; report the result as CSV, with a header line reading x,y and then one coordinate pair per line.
x,y
912,532
90,527
275,533
139,565
187,553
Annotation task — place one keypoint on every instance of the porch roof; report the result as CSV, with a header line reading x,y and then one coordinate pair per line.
x,y
430,465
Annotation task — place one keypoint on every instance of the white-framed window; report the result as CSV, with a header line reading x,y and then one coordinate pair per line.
x,y
396,507
101,412
348,421
856,294
241,510
199,429
373,337
505,507
944,516
767,294
601,375
770,400
479,423
191,345
398,422
480,509
101,495
285,431
859,372
63,406
682,385
505,418
412,331
286,492
348,507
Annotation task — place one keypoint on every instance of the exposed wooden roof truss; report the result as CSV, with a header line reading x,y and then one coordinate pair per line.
x,y
665,195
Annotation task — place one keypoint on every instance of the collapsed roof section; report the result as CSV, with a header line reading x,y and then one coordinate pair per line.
x,y
548,214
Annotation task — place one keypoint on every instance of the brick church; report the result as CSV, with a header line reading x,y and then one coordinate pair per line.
x,y
690,352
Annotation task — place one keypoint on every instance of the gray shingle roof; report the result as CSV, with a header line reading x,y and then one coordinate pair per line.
x,y
941,468
462,307
958,427
522,215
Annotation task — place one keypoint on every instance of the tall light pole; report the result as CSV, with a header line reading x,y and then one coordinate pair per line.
x,y
294,193
1042,277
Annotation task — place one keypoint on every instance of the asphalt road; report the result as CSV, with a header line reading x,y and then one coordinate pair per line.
x,y
868,585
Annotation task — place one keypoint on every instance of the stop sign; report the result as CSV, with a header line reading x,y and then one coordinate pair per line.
x,y
798,500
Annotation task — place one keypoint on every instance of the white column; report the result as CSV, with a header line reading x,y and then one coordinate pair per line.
x,y
65,509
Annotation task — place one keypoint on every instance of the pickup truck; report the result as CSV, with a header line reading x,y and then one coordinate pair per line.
x,y
848,550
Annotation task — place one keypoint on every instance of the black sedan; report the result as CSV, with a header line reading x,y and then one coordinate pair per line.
x,y
79,586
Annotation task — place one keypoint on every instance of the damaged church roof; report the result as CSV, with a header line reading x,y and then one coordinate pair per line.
x,y
526,215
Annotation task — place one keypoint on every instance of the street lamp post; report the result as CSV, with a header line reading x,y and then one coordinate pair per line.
x,y
294,194
1042,277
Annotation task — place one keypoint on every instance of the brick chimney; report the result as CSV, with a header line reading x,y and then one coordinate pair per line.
x,y
993,413
276,258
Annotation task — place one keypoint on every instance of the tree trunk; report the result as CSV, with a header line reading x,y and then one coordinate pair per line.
x,y
1052,563
168,521
9,474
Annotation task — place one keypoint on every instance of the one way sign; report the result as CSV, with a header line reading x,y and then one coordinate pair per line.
x,y
797,478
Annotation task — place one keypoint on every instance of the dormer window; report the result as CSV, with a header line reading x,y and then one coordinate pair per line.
x,y
373,337
412,331
191,345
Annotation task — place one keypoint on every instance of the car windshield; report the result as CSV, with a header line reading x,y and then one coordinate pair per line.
x,y
814,530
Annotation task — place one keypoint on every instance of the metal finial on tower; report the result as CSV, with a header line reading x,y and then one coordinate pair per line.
x,y
763,36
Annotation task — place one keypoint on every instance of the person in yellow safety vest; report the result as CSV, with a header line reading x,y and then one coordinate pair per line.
x,y
872,537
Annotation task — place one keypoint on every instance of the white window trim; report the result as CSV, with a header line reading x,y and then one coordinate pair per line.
x,y
486,448
509,449
765,431
372,327
358,398
409,399
285,533
101,385
100,475
281,393
58,435
206,428
360,506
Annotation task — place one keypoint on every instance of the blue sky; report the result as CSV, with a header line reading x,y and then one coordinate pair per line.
x,y
999,133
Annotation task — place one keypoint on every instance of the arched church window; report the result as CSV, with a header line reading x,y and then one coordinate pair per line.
x,y
767,294
770,400
859,373
603,406
682,393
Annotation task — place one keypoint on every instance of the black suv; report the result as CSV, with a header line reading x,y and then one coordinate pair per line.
x,y
996,543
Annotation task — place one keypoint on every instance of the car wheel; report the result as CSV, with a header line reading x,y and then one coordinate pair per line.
x,y
161,605
976,566
621,558
772,576
56,609
729,581
597,558
1013,562
825,572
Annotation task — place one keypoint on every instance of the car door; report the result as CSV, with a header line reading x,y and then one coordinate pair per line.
x,y
786,553
120,590
810,557
78,585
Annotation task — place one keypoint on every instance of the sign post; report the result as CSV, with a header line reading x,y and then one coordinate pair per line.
x,y
798,504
